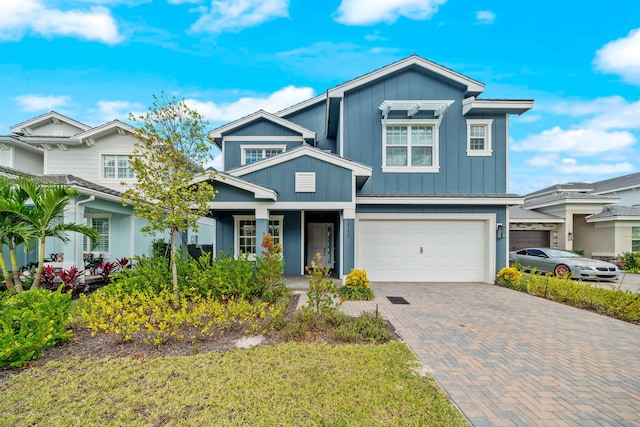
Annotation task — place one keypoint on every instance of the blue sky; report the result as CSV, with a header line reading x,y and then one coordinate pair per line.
x,y
97,60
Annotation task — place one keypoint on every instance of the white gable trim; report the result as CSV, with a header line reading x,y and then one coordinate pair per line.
x,y
305,150
23,128
302,105
471,85
510,106
91,135
304,132
259,192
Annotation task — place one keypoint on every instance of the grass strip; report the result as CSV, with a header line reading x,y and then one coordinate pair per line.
x,y
289,384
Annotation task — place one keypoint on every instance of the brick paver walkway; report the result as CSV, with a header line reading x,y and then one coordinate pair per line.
x,y
510,359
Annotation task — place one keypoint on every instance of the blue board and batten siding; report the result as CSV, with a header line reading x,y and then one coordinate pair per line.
x,y
313,118
458,173
233,152
333,183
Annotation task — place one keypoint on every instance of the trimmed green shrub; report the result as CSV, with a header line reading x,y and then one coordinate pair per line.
x,y
30,322
356,287
630,261
224,277
618,303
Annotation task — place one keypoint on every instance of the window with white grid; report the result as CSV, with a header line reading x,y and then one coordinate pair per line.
x,y
410,147
255,153
479,137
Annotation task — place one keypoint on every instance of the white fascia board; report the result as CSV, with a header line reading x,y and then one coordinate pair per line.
x,y
298,206
510,106
498,201
259,192
49,142
613,219
565,202
617,190
471,85
302,105
104,128
100,195
306,133
52,115
19,143
358,169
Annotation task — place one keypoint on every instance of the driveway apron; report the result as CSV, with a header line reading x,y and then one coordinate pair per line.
x,y
510,359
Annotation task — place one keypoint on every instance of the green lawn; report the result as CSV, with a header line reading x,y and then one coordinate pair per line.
x,y
288,384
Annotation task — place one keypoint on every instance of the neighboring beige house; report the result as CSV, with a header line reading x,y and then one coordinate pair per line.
x,y
601,218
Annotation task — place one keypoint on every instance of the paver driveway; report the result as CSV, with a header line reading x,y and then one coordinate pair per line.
x,y
507,358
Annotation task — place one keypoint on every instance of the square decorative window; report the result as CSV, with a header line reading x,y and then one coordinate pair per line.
x,y
102,224
246,238
479,137
116,167
635,239
255,153
410,147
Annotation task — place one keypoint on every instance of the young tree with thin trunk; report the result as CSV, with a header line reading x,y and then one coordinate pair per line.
x,y
172,145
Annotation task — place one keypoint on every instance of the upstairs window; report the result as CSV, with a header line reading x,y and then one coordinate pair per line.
x,y
410,147
255,153
116,167
479,137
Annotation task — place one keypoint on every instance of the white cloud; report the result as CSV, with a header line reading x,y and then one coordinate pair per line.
x,y
622,57
367,12
234,15
272,103
374,37
32,16
111,110
612,112
527,118
485,17
572,168
31,103
543,160
576,142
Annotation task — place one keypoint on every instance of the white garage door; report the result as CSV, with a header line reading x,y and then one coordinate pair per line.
x,y
423,250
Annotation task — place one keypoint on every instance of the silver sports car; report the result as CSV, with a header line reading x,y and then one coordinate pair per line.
x,y
561,262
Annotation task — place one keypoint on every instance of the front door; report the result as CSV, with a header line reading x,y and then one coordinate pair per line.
x,y
320,241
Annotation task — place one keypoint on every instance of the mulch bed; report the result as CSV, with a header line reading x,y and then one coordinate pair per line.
x,y
84,344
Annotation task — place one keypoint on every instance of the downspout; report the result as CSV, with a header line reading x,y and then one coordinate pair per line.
x,y
79,262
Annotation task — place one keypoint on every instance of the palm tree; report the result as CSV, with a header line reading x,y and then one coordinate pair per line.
x,y
43,208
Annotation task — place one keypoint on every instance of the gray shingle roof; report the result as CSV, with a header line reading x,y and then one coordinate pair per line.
x,y
631,180
613,211
566,196
519,213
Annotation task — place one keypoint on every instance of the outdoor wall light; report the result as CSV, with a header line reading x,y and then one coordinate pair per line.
x,y
499,231
570,236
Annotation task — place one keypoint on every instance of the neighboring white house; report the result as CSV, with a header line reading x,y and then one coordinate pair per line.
x,y
95,161
601,218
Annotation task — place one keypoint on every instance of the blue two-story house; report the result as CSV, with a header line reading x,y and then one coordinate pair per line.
x,y
402,172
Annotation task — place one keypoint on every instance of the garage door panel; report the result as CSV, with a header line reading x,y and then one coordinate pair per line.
x,y
423,250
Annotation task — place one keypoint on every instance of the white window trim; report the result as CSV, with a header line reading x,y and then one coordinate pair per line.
x,y
116,179
488,124
245,147
89,217
236,233
435,167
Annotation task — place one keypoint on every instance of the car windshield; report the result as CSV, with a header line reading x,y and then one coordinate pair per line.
x,y
557,253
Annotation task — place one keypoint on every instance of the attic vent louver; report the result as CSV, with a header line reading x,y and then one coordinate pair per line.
x,y
305,182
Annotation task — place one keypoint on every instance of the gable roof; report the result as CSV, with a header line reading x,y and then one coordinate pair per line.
x,y
90,135
258,115
473,87
12,140
302,105
259,192
52,116
563,198
304,150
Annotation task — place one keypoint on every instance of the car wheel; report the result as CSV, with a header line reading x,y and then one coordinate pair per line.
x,y
561,270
